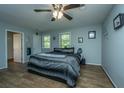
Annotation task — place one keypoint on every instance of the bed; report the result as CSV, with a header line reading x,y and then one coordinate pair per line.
x,y
61,63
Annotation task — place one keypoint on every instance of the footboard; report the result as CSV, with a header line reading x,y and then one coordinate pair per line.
x,y
58,75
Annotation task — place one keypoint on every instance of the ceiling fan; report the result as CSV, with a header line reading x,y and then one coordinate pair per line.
x,y
59,10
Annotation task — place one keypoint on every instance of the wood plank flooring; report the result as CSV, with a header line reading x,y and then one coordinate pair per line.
x,y
16,76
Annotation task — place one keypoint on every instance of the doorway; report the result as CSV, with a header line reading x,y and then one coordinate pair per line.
x,y
14,46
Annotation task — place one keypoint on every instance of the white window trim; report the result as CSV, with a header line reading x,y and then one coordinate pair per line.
x,y
43,41
60,38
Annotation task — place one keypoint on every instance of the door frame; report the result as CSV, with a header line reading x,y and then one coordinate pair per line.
x,y
22,44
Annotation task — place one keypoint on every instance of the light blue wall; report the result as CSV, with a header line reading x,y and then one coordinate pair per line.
x,y
113,48
10,45
27,35
91,47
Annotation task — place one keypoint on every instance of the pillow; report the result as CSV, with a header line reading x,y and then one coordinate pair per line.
x,y
64,50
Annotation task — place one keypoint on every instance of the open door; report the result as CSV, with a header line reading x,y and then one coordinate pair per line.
x,y
17,47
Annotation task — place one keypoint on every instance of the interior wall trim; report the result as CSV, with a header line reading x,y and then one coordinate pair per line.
x,y
23,46
93,64
109,76
3,67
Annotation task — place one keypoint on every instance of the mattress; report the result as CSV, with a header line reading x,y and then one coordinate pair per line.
x,y
65,66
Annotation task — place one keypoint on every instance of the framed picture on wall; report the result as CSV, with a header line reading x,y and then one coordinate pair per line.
x,y
118,21
80,39
92,34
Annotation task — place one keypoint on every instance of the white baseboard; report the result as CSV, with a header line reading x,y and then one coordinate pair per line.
x,y
93,64
3,67
109,77
25,61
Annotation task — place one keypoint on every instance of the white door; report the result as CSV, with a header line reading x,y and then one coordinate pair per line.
x,y
17,47
36,44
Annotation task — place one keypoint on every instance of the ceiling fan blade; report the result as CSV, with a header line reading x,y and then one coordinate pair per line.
x,y
53,19
42,10
71,6
67,16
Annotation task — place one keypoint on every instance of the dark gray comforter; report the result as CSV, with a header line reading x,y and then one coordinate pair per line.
x,y
59,65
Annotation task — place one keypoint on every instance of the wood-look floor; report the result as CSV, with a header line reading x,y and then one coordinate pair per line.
x,y
16,76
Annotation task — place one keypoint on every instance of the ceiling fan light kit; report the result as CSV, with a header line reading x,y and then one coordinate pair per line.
x,y
57,15
59,10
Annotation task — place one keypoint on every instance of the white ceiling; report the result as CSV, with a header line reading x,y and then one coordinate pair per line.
x,y
24,16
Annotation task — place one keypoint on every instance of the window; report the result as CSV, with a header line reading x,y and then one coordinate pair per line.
x,y
65,40
46,41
